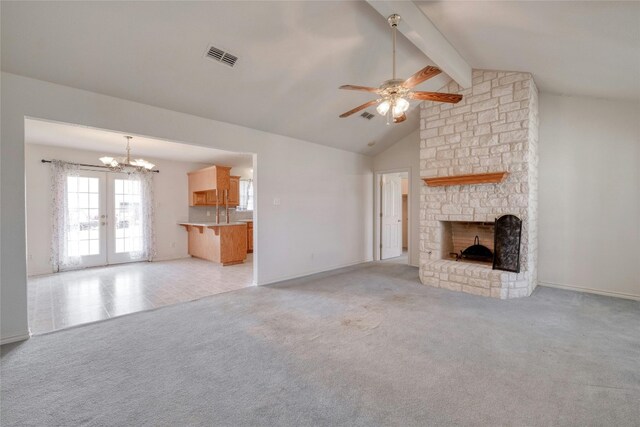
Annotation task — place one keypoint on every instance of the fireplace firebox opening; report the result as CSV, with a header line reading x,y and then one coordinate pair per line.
x,y
490,243
468,241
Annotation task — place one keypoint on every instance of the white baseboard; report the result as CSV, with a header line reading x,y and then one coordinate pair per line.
x,y
589,290
309,273
15,338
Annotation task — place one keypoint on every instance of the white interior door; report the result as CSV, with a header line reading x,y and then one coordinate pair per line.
x,y
87,209
124,228
391,220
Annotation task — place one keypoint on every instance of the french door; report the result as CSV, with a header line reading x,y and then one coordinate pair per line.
x,y
124,228
106,211
87,212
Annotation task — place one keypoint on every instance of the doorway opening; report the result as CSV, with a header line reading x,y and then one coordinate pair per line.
x,y
393,225
86,225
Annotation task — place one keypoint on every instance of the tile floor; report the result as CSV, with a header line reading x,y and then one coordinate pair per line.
x,y
61,300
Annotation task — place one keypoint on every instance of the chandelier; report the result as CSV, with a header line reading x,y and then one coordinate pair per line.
x,y
120,163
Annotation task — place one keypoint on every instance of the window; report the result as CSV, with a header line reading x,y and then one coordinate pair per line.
x,y
246,195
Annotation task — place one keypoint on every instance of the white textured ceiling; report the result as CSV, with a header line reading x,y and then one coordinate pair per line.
x,y
292,58
587,48
105,142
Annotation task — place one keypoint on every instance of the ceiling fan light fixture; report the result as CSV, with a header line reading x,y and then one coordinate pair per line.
x,y
393,93
403,104
383,108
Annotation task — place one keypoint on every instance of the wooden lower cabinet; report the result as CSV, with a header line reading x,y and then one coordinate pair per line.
x,y
250,237
225,244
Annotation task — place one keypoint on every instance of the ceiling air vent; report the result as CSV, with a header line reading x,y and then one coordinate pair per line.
x,y
367,116
221,56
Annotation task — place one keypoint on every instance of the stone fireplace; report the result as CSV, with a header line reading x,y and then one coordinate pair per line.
x,y
493,129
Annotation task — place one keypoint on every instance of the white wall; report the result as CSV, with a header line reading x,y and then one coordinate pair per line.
x,y
589,213
405,154
323,220
171,200
242,172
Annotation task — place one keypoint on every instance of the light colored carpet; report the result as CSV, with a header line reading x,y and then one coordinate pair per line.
x,y
363,346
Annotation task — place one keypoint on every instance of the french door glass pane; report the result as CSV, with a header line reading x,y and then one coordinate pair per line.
x,y
128,227
83,207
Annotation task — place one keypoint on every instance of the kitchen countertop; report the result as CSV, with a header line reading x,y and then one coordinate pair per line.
x,y
211,224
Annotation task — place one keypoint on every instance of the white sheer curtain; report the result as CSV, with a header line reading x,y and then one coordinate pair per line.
x,y
146,250
63,222
246,195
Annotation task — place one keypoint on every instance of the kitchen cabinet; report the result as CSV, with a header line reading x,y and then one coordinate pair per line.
x,y
250,236
209,185
234,191
224,243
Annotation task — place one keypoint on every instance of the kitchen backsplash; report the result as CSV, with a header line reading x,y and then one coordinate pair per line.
x,y
199,214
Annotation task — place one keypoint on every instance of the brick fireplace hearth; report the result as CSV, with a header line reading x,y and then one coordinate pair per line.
x,y
493,129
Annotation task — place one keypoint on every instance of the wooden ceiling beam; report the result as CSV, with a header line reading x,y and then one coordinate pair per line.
x,y
418,28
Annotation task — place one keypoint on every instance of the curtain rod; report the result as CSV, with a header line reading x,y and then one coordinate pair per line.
x,y
95,166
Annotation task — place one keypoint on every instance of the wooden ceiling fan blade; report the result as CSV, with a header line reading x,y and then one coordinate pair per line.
x,y
360,108
452,98
400,119
425,74
362,88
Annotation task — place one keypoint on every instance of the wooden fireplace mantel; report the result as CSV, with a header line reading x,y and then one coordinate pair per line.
x,y
476,178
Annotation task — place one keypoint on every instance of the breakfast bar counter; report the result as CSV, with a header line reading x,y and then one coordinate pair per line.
x,y
225,243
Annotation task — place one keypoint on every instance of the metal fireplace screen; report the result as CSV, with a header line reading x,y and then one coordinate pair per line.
x,y
506,248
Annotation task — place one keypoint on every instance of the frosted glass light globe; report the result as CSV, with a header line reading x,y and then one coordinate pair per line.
x,y
383,108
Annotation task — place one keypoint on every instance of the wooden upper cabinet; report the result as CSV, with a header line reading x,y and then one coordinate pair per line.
x,y
198,199
206,183
211,197
234,191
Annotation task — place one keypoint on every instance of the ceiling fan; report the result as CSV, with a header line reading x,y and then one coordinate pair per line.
x,y
395,92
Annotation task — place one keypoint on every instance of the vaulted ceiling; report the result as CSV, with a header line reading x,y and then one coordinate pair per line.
x,y
588,48
294,55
